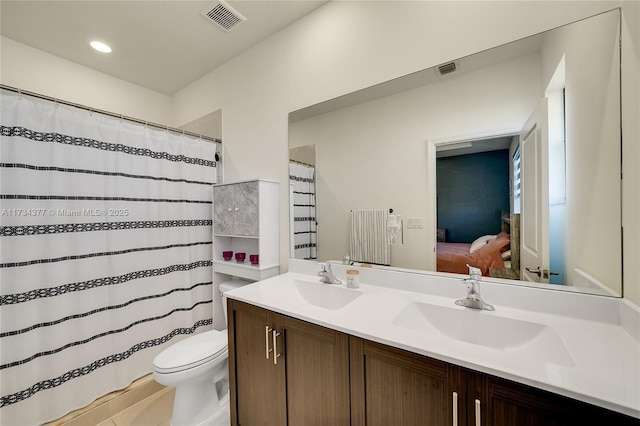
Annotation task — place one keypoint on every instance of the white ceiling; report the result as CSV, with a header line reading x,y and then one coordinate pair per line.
x,y
161,45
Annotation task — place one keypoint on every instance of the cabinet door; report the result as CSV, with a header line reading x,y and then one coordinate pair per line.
x,y
394,387
502,402
236,209
257,386
223,209
317,361
246,200
496,403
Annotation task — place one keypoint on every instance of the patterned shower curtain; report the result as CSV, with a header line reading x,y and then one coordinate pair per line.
x,y
302,177
105,252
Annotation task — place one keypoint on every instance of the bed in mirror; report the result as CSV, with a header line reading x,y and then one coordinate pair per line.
x,y
519,143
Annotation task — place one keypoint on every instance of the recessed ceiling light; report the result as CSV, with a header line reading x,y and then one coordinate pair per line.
x,y
100,46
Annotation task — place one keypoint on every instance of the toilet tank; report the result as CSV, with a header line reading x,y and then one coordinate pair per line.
x,y
226,286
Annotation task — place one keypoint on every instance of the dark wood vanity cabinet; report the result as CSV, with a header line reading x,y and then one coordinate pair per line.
x,y
323,377
307,383
317,364
505,403
256,383
395,387
390,386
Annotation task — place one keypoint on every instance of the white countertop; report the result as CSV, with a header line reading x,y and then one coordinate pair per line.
x,y
604,366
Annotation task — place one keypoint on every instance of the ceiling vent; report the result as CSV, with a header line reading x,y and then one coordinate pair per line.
x,y
223,15
447,68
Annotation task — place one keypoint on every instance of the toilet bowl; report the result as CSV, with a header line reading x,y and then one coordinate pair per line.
x,y
198,368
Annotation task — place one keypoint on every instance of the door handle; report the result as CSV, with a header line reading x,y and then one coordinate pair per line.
x,y
455,409
544,273
267,330
536,271
276,355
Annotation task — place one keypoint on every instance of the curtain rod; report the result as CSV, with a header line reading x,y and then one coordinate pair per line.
x,y
300,162
110,114
390,211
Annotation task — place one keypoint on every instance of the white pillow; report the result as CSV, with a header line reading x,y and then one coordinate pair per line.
x,y
480,242
506,255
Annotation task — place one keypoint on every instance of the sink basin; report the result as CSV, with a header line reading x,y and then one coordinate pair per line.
x,y
326,296
538,342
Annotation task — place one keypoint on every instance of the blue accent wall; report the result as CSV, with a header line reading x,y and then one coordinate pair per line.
x,y
472,190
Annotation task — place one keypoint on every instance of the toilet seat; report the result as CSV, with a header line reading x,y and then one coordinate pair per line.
x,y
192,352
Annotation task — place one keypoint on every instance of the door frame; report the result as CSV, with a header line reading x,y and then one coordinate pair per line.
x,y
537,125
432,210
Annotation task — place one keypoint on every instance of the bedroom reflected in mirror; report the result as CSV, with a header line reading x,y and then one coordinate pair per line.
x,y
510,163
475,225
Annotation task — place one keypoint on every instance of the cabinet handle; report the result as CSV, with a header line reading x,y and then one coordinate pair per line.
x,y
267,330
236,209
276,355
229,209
455,409
478,412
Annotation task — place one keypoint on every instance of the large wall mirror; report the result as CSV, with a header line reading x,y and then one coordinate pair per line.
x,y
508,159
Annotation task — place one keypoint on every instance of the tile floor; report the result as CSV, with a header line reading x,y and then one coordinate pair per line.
x,y
144,403
154,410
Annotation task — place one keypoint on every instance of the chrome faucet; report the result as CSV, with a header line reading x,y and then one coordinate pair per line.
x,y
326,274
473,299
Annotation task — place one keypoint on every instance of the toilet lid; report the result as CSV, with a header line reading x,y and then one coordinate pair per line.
x,y
191,352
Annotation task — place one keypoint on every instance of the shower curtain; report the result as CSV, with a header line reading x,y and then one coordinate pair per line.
x,y
105,252
302,177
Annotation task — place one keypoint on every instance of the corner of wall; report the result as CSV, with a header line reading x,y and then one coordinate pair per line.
x,y
34,70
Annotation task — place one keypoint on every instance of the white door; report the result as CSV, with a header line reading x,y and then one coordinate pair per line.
x,y
534,218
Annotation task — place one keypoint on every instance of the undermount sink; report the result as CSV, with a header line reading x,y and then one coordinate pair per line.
x,y
326,296
531,340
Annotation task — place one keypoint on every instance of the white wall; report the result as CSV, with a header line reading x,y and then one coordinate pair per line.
x,y
341,47
374,154
33,70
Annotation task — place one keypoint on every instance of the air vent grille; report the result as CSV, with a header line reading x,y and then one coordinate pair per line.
x,y
447,68
223,15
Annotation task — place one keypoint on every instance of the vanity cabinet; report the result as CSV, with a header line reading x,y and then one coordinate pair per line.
x,y
499,402
395,387
286,371
257,384
324,377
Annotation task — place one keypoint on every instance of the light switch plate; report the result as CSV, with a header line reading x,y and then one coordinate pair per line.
x,y
414,222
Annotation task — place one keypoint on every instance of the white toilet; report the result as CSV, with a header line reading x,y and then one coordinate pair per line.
x,y
198,368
